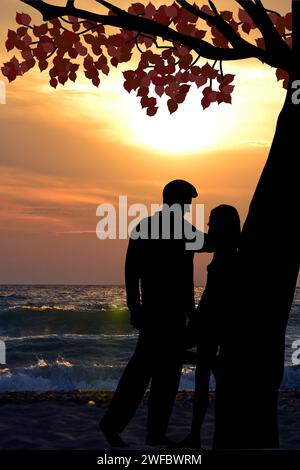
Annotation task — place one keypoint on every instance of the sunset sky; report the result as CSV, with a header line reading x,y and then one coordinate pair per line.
x,y
65,151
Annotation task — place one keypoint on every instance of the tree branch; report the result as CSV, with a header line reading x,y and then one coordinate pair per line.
x,y
238,43
275,44
129,22
228,32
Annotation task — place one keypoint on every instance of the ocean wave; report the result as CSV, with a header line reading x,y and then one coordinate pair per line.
x,y
62,375
42,308
79,337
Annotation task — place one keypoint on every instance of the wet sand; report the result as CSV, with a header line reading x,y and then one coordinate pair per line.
x,y
69,421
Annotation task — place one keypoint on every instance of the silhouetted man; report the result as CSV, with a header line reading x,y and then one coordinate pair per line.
x,y
160,295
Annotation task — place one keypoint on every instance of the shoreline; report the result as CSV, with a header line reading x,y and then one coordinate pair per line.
x,y
69,420
100,396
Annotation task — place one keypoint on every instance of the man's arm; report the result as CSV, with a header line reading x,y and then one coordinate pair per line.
x,y
196,240
207,246
132,281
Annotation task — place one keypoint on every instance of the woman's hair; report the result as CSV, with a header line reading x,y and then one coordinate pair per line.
x,y
227,224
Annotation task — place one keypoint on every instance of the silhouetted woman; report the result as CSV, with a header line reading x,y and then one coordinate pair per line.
x,y
211,323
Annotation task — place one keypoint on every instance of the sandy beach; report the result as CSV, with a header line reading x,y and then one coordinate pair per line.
x,y
69,421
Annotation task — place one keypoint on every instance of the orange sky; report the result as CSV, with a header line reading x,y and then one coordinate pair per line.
x,y
65,151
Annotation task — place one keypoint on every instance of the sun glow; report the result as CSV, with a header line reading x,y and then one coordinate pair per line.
x,y
111,110
188,130
116,116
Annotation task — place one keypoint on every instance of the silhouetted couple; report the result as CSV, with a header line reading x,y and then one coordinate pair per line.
x,y
160,297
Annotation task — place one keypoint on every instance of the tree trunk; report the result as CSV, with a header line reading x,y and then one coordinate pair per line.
x,y
253,358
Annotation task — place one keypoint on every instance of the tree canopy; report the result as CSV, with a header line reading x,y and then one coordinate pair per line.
x,y
178,45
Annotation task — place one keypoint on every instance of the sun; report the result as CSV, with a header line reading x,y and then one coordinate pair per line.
x,y
114,115
188,130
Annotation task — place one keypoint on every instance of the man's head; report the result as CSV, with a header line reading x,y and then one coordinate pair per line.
x,y
179,192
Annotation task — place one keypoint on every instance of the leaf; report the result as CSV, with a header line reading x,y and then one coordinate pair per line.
x,y
9,44
116,39
161,17
180,97
22,31
188,17
62,78
88,62
148,102
282,75
246,27
43,65
27,54
23,18
53,82
280,25
152,110
171,11
73,76
73,19
172,105
89,38
128,86
47,44
137,9
200,80
209,72
96,81
207,10
224,98
151,101
143,91
213,96
27,39
150,11
185,28
114,61
73,53
226,15
245,18
205,102
185,89
69,38
105,69
144,101
159,90
226,79
199,34
261,43
227,89
273,17
289,21
129,74
40,30
81,49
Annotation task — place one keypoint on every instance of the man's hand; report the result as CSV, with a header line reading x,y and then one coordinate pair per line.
x,y
137,318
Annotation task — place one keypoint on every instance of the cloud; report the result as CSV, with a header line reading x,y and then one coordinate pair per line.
x,y
34,202
258,143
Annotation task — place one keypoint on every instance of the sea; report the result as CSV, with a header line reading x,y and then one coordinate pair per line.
x,y
63,337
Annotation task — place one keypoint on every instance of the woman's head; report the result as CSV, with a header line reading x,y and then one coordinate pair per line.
x,y
224,227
